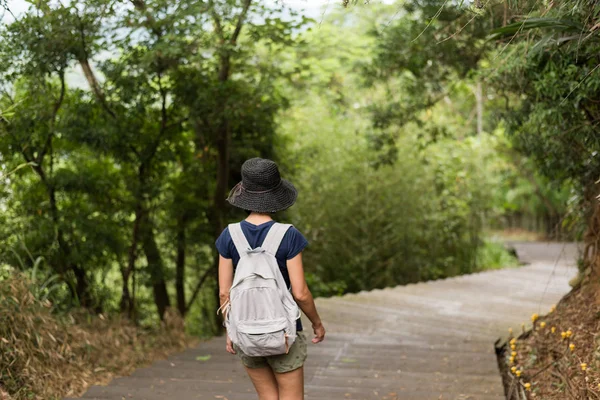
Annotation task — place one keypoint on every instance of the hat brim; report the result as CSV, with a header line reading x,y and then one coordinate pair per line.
x,y
281,198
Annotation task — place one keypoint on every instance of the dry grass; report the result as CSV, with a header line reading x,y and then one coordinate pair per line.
x,y
45,356
564,364
516,235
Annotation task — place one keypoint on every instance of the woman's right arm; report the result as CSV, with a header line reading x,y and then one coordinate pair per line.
x,y
304,297
225,282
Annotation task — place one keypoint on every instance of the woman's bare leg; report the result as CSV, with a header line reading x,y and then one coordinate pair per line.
x,y
264,382
291,384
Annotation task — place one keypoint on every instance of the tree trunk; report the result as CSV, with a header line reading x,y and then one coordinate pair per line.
x,y
127,301
223,152
82,289
94,85
180,264
155,269
223,134
219,204
591,255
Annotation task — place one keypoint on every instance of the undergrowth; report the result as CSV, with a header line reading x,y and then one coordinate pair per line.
x,y
559,358
45,355
493,255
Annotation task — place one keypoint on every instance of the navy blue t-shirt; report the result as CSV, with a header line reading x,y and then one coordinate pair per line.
x,y
292,244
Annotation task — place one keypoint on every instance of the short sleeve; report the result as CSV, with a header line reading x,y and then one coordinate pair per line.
x,y
295,241
223,244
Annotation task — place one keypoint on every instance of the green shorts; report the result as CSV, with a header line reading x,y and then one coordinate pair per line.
x,y
280,364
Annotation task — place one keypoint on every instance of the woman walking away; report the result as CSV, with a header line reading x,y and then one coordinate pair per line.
x,y
260,264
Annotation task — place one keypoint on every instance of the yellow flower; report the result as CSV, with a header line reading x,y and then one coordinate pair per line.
x,y
572,347
569,333
513,347
512,360
542,325
553,308
513,341
514,353
513,369
564,335
518,373
553,329
534,317
527,386
583,366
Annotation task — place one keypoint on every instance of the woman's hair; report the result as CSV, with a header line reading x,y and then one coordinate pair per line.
x,y
250,212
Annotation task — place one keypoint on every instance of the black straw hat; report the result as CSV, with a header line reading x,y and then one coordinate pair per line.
x,y
262,189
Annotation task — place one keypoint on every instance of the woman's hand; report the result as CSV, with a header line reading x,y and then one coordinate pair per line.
x,y
304,297
229,346
319,333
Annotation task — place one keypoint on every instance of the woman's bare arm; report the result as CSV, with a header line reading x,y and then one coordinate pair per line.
x,y
304,297
225,282
225,278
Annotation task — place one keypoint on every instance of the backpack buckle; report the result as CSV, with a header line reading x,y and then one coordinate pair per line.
x,y
255,251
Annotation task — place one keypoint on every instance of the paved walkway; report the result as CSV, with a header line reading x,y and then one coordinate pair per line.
x,y
430,340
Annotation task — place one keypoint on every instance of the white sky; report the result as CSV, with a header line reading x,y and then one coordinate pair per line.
x,y
316,9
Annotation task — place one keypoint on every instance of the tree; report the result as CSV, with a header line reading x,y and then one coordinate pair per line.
x,y
177,92
423,55
38,68
233,97
549,76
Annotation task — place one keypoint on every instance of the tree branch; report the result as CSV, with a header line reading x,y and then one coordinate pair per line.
x,y
57,106
163,122
8,96
197,289
163,107
140,5
134,150
240,23
177,123
218,26
61,97
89,73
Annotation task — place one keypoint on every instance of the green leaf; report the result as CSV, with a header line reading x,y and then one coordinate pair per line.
x,y
535,23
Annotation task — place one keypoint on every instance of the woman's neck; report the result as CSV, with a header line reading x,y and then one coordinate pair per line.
x,y
258,218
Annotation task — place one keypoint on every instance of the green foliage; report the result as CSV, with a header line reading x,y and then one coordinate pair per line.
x,y
441,76
422,58
409,129
391,119
553,71
121,179
371,224
42,287
493,255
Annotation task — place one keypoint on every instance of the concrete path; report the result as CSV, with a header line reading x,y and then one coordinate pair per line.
x,y
431,340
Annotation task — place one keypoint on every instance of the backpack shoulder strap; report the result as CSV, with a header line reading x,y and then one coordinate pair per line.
x,y
239,239
274,237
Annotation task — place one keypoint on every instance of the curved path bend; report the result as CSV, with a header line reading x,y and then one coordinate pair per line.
x,y
430,341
